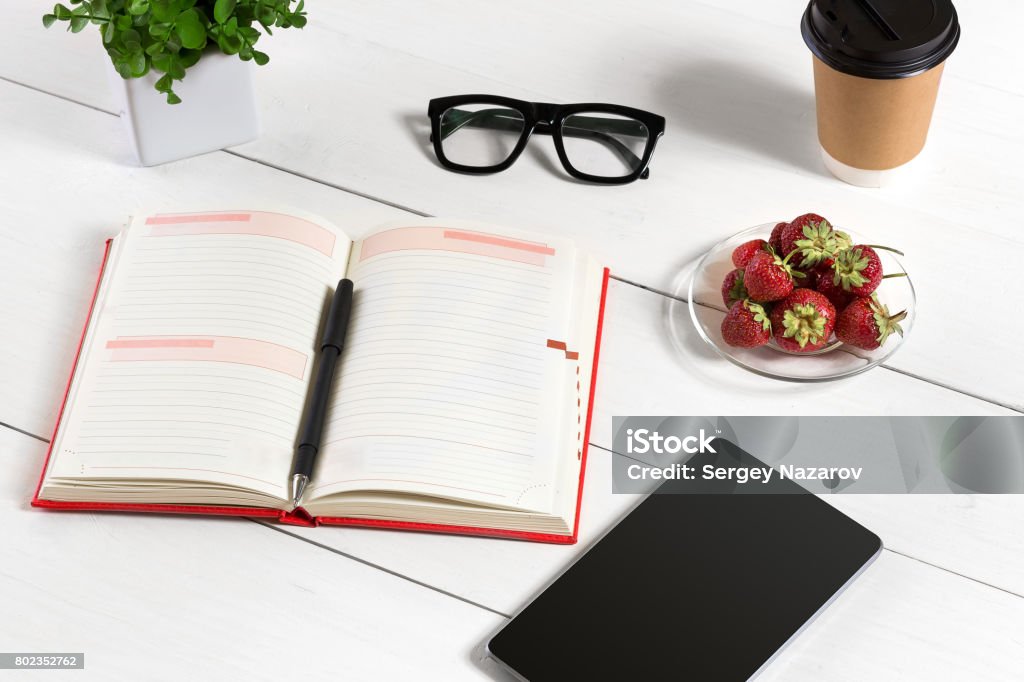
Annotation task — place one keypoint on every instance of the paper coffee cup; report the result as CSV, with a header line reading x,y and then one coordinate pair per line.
x,y
877,67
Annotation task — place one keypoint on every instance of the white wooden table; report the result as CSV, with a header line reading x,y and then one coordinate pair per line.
x,y
345,135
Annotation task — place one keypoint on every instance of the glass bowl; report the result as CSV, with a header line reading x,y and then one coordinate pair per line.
x,y
702,296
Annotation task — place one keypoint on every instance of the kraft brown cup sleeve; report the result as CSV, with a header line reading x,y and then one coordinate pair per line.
x,y
874,124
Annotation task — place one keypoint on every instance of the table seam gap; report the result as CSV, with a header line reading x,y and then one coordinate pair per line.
x,y
908,374
495,611
389,571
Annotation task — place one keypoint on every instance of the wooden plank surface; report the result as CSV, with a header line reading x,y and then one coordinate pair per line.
x,y
740,149
641,372
174,598
343,106
164,598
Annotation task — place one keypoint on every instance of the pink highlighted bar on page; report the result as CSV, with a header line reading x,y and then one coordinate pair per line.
x,y
159,343
209,349
256,223
455,241
483,238
199,218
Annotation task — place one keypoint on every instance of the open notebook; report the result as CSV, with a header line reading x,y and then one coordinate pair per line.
x,y
461,403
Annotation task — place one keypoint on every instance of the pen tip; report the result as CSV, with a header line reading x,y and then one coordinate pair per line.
x,y
298,487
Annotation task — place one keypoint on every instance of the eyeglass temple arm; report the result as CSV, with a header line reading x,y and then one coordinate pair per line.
x,y
498,119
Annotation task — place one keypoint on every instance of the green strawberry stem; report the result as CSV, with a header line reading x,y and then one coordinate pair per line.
x,y
790,255
895,274
848,269
886,323
739,289
788,268
760,314
886,248
804,324
819,242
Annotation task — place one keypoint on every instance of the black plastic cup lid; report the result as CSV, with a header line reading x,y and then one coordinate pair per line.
x,y
881,38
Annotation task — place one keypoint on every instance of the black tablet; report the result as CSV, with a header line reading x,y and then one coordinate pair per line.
x,y
690,586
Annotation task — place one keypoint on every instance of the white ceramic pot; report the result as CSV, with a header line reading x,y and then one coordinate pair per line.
x,y
218,110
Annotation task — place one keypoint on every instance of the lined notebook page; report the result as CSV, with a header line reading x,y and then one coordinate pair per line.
x,y
197,364
452,379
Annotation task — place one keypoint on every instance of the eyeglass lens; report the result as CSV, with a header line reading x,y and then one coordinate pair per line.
x,y
603,144
480,135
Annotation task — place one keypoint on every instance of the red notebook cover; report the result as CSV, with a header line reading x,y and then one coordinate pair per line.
x,y
299,517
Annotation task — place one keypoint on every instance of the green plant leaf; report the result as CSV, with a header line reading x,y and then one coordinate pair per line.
x,y
98,10
244,13
131,40
177,71
268,16
137,64
162,11
223,9
189,27
173,44
189,58
168,36
162,62
230,44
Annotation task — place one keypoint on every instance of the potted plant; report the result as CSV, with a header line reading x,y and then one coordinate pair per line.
x,y
154,44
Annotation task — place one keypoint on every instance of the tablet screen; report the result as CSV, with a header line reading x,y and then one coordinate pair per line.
x,y
690,586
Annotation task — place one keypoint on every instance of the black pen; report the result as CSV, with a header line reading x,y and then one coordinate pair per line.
x,y
320,389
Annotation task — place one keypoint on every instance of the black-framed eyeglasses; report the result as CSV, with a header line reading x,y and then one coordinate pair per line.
x,y
603,143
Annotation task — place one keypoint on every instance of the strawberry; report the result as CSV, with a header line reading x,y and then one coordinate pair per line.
x,y
866,323
858,270
775,241
803,321
815,239
795,229
732,288
742,254
746,325
833,292
769,277
810,278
